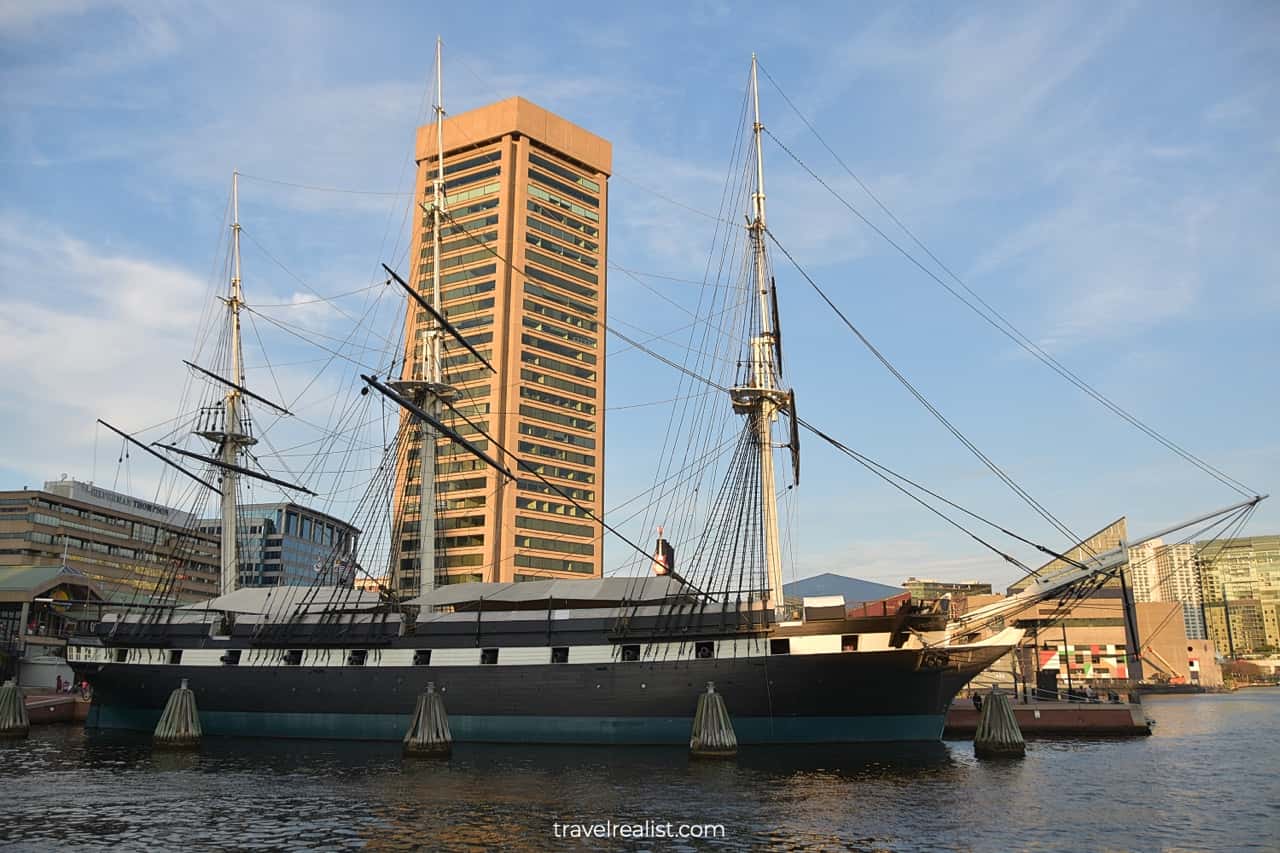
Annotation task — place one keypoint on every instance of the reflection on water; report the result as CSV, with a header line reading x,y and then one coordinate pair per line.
x,y
84,791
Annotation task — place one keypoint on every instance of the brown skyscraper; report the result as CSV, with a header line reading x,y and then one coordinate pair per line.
x,y
522,267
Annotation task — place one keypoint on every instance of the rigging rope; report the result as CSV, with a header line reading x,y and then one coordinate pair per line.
x,y
993,317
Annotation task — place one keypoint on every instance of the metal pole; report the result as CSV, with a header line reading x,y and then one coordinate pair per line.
x,y
1066,662
1131,630
1035,640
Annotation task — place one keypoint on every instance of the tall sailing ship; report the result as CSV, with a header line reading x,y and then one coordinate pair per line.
x,y
609,660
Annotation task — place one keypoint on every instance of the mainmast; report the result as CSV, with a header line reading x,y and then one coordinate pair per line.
x,y
233,437
761,398
427,387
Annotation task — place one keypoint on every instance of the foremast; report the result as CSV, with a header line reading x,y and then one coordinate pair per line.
x,y
427,387
761,398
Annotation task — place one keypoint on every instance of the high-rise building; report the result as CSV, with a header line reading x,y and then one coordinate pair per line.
x,y
130,547
284,544
522,267
1241,582
1170,572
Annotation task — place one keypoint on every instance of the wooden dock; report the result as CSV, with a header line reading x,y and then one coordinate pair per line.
x,y
1058,718
56,708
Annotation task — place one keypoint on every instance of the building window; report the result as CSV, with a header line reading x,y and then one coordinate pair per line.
x,y
488,657
560,654
780,646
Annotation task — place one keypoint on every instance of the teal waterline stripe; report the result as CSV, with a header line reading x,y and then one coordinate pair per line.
x,y
539,729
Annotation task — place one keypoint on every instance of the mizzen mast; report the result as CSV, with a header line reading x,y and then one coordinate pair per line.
x,y
230,432
760,397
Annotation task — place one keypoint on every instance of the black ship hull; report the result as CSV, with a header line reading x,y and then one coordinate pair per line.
x,y
891,695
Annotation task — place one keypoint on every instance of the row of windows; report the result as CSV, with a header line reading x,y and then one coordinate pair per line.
x,y
54,521
562,218
583,549
464,227
464,485
559,298
100,547
457,467
464,376
538,192
477,391
564,172
469,502
558,349
556,453
483,174
539,487
528,561
558,366
563,251
464,358
66,509
449,448
561,234
550,507
467,275
568,269
548,434
557,418
461,213
444,543
550,526
560,473
462,165
561,316
465,292
545,328
461,243
548,278
556,400
474,193
561,187
459,522
457,261
462,308
474,322
555,382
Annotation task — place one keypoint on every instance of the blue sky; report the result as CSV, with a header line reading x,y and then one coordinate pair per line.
x,y
1107,177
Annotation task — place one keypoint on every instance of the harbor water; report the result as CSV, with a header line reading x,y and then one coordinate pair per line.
x,y
1206,780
